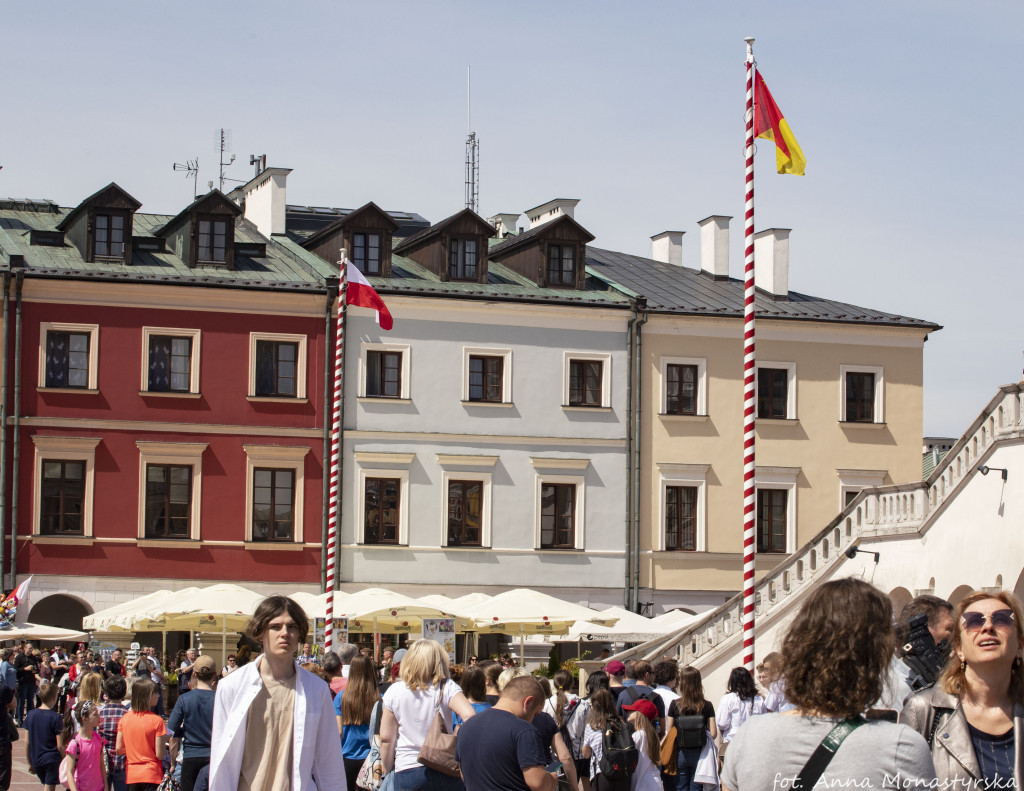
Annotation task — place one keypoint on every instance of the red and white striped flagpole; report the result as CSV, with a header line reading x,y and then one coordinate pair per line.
x,y
749,493
333,506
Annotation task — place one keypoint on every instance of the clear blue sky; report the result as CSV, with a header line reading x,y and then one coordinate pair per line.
x,y
909,114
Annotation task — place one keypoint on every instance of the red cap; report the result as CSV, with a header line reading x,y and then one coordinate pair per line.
x,y
645,707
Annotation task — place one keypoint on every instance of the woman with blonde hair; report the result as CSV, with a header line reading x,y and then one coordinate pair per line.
x,y
647,775
424,688
973,717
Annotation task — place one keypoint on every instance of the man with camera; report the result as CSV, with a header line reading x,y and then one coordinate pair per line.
x,y
925,629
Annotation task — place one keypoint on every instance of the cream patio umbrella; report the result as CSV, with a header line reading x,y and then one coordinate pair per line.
x,y
120,617
30,631
525,611
630,628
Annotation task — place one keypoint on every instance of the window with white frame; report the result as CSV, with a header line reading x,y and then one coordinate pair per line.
x,y
170,360
170,489
852,482
277,365
862,394
776,391
586,380
466,510
776,508
683,507
383,497
560,508
68,355
487,375
684,386
274,496
384,370
63,485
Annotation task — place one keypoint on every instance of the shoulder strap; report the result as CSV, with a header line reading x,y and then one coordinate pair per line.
x,y
821,757
633,694
937,713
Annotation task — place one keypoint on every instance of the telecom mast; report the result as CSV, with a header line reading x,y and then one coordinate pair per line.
x,y
472,157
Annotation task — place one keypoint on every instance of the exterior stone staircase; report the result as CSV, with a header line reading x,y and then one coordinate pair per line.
x,y
714,642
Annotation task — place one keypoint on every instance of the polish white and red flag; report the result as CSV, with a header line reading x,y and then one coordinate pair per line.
x,y
361,293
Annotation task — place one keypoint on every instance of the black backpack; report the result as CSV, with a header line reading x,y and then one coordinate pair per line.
x,y
619,755
691,732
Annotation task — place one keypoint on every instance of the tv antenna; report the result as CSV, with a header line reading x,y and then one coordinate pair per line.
x,y
191,170
472,156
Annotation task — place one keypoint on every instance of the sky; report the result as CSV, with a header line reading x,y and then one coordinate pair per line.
x,y
909,114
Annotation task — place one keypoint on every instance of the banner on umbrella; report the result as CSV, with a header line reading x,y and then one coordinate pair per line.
x,y
442,631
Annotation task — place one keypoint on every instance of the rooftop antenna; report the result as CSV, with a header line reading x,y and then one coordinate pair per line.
x,y
225,144
260,161
472,156
191,169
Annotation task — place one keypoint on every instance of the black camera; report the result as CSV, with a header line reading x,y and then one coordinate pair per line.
x,y
920,653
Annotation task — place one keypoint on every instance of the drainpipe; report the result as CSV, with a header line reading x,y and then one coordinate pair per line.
x,y
19,279
637,434
630,342
3,422
332,293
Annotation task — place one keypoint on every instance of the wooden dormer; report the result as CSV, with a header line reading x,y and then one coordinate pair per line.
x,y
454,249
204,233
101,225
366,236
552,255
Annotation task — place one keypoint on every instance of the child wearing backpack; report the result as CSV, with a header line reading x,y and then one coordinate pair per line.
x,y
608,743
84,760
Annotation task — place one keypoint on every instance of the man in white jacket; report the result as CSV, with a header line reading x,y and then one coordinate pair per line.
x,y
274,727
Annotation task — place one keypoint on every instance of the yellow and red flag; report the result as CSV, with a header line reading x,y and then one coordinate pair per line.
x,y
770,124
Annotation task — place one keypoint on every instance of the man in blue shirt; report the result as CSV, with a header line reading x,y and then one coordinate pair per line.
x,y
192,721
499,750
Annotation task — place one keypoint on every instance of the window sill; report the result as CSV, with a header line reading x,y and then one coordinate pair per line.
x,y
364,545
382,400
276,399
488,403
274,546
776,421
169,543
77,541
76,390
559,550
457,547
168,394
570,408
671,418
858,424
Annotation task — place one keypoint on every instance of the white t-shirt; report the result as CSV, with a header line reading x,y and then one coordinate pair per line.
x,y
594,740
415,712
733,712
667,694
647,776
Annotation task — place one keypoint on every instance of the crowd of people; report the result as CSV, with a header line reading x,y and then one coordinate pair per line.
x,y
852,697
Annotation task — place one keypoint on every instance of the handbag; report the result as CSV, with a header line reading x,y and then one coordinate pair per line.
x,y
669,754
438,750
371,773
168,783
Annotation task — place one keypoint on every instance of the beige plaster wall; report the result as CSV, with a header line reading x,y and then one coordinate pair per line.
x,y
816,442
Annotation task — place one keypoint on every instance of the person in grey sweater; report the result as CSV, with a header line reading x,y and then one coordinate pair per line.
x,y
835,659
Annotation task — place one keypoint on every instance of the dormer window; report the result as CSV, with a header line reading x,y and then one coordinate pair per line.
x,y
212,241
108,236
462,259
561,265
366,252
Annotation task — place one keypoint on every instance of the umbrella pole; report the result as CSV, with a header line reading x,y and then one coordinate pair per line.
x,y
224,640
522,646
376,640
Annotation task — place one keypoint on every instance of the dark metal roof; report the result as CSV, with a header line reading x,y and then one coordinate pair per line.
x,y
521,239
427,233
675,289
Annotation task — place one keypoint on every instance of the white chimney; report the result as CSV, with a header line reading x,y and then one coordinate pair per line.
x,y
264,200
771,261
504,223
667,247
551,210
714,246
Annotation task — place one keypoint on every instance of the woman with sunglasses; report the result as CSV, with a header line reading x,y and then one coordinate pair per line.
x,y
973,718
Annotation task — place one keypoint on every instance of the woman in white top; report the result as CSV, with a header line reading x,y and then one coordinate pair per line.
x,y
647,775
410,705
738,705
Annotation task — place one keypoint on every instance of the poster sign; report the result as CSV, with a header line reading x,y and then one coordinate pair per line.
x,y
441,630
320,629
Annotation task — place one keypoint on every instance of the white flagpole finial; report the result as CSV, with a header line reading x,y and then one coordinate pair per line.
x,y
750,48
